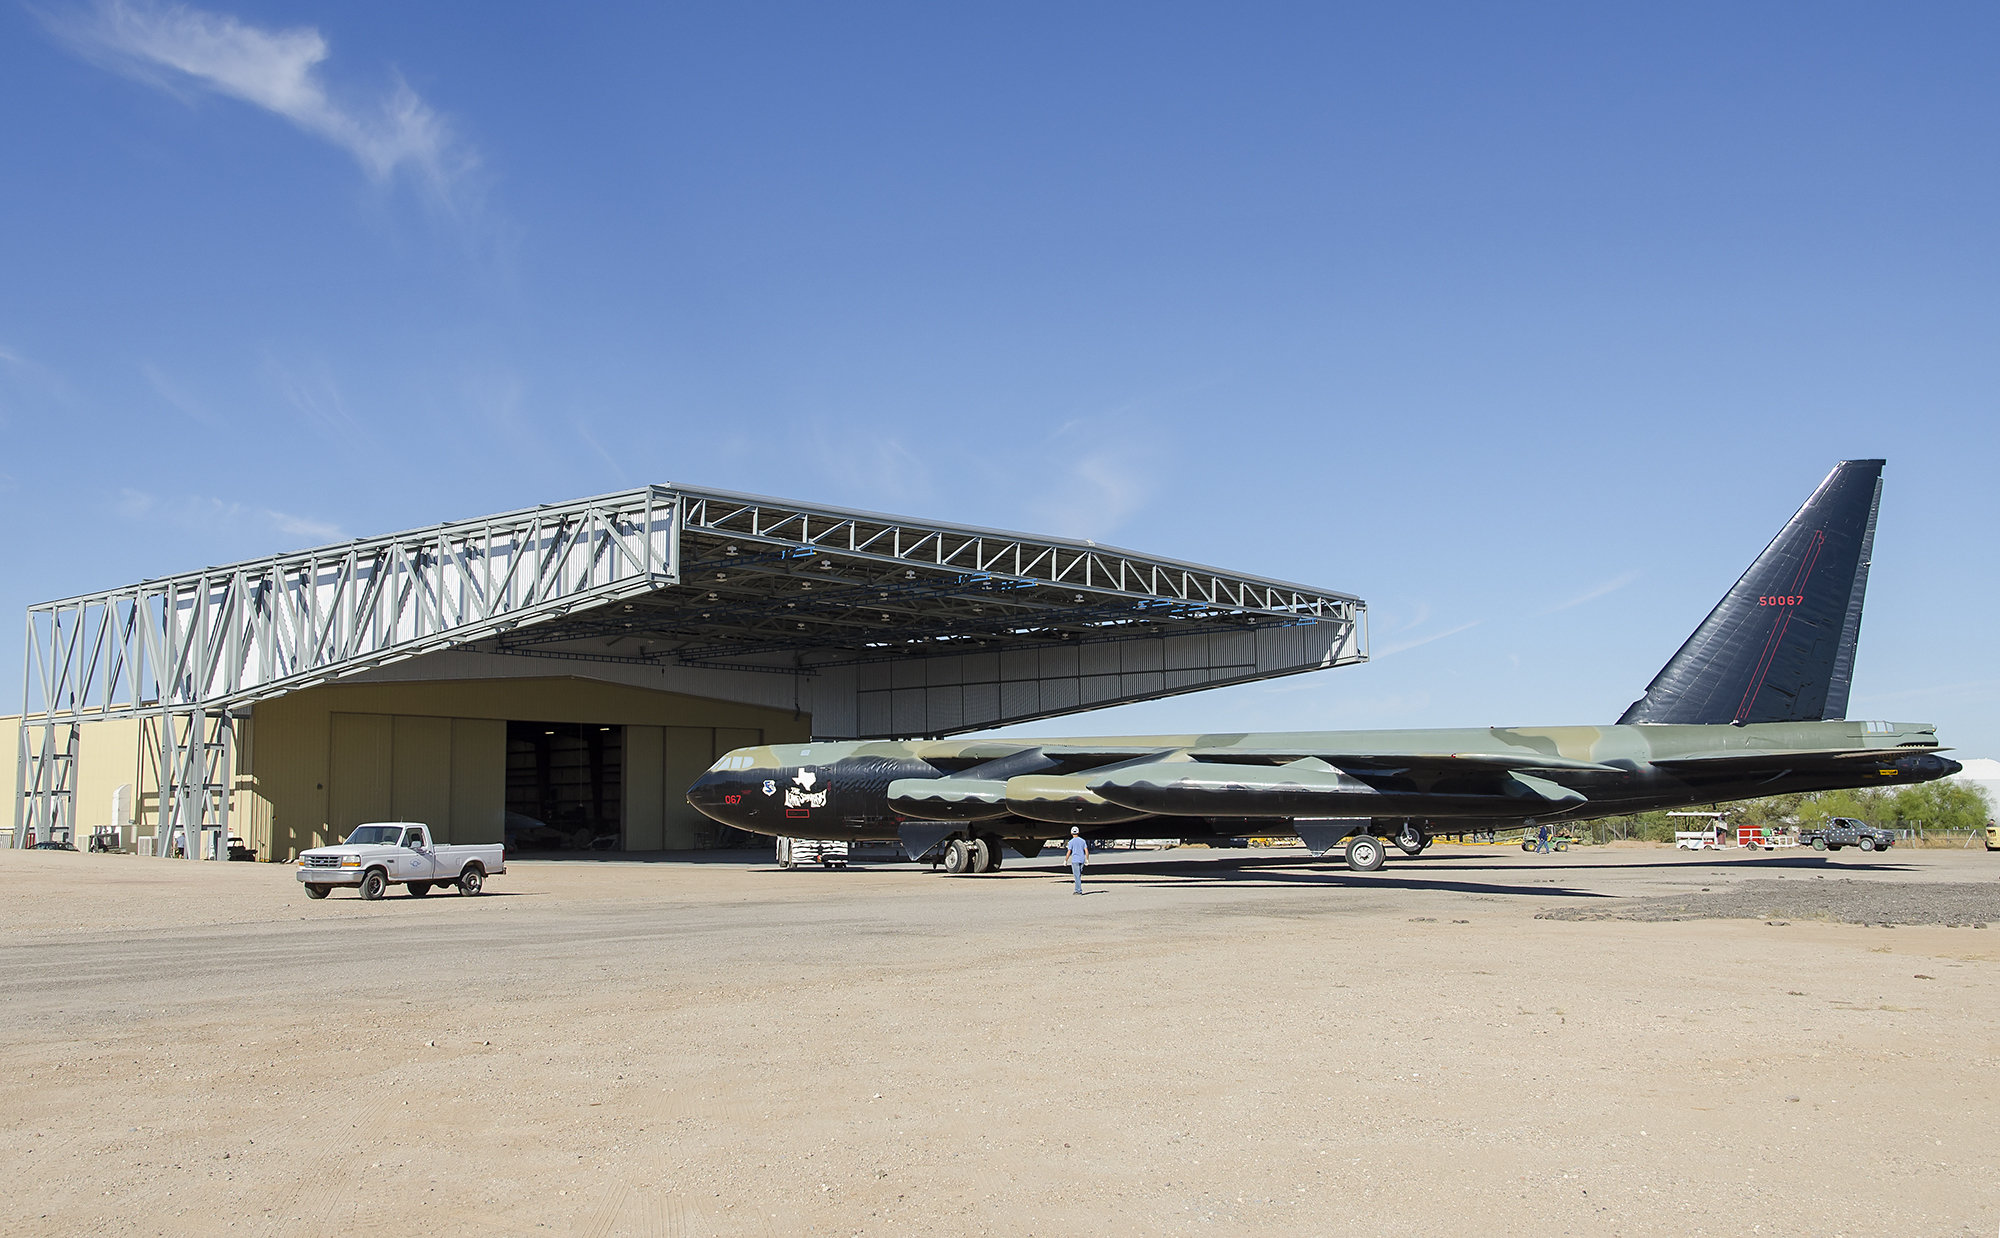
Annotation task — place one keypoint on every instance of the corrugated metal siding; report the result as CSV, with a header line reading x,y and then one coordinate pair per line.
x,y
644,793
478,780
420,772
689,751
10,770
107,757
361,764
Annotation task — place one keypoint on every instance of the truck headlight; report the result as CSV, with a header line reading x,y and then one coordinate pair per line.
x,y
350,861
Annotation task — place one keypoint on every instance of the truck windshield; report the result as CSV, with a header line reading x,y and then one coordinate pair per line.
x,y
375,836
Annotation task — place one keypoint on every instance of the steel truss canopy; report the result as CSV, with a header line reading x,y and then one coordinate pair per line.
x,y
902,627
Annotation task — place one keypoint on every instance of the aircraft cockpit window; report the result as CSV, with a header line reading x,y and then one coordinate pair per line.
x,y
734,761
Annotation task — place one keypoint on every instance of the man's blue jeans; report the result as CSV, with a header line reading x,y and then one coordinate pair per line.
x,y
1076,871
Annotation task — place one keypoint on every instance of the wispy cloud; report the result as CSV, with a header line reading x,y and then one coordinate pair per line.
x,y
1594,592
25,382
208,514
1093,496
170,391
314,394
1400,646
176,47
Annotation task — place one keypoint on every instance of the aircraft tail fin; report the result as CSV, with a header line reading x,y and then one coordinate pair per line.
x,y
1779,646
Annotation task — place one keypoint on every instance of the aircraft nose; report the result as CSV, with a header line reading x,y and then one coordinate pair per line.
x,y
708,793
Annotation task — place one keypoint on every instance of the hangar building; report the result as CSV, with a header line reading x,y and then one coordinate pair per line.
x,y
555,678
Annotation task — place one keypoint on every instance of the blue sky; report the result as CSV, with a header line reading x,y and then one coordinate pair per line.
x,y
1529,324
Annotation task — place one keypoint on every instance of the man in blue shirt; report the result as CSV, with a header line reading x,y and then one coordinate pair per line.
x,y
1077,849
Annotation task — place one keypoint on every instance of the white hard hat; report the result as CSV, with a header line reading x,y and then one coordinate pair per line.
x,y
1076,829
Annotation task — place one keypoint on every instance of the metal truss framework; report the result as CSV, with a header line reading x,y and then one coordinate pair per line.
x,y
661,574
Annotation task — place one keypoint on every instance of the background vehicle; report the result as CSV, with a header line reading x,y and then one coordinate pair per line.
x,y
386,853
1841,832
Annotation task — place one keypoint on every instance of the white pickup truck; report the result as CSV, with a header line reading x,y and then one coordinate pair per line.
x,y
387,853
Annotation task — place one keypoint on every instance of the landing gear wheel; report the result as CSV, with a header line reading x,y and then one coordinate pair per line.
x,y
1411,841
785,854
472,880
1868,844
419,888
1364,853
957,857
313,891
982,856
373,885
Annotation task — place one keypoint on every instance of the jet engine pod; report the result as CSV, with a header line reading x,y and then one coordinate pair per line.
x,y
1064,800
948,799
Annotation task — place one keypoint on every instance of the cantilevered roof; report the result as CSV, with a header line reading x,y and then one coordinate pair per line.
x,y
664,575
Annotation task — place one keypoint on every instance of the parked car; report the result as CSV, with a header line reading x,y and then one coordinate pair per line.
x,y
385,853
52,846
1841,832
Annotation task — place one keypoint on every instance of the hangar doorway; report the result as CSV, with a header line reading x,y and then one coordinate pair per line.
x,y
565,785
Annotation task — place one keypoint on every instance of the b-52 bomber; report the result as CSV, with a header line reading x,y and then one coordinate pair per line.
x,y
1751,705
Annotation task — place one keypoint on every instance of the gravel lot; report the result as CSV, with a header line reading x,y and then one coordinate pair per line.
x,y
1957,904
1242,1042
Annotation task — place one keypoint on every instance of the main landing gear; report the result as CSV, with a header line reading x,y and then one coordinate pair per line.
x,y
972,855
1410,840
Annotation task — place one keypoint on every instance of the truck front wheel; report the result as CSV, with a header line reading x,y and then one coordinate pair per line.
x,y
313,891
472,880
374,885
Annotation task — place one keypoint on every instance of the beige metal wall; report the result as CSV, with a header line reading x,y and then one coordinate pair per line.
x,y
107,757
323,760
660,763
10,763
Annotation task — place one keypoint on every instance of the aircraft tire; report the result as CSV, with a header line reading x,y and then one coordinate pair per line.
x,y
1411,841
784,850
982,856
1364,853
957,857
995,852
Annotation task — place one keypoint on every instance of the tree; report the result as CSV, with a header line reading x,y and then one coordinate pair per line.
x,y
1942,805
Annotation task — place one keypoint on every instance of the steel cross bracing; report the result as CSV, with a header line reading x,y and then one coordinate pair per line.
x,y
761,577
196,645
992,553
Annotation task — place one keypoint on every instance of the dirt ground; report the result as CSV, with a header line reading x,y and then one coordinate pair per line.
x,y
1216,1043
